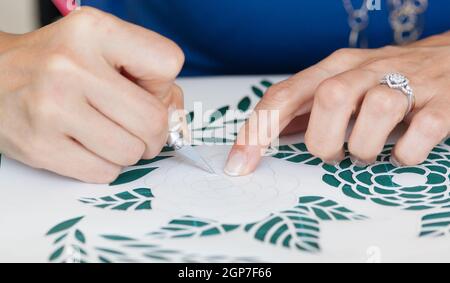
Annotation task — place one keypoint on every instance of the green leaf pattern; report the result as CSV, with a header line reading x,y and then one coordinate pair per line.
x,y
299,227
137,199
188,227
296,228
436,224
69,242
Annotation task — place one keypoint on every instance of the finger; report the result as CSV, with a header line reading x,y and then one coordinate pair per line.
x,y
335,101
103,137
428,128
72,160
290,98
151,59
131,107
381,111
285,99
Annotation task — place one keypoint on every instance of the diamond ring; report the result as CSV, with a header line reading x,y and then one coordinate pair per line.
x,y
400,82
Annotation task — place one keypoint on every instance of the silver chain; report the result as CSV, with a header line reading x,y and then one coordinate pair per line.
x,y
358,20
405,19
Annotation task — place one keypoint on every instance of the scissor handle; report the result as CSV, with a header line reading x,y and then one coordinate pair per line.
x,y
66,6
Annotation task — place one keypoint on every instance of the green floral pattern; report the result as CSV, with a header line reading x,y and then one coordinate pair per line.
x,y
378,182
297,228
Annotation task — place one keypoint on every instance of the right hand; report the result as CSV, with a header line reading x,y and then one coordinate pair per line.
x,y
87,95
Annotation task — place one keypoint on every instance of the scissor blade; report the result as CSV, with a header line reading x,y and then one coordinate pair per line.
x,y
190,153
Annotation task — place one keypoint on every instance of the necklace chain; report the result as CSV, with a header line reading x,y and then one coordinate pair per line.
x,y
405,19
358,20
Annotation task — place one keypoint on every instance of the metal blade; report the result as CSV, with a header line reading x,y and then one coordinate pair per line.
x,y
190,153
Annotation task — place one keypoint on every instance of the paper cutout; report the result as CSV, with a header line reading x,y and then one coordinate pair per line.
x,y
71,247
218,196
163,210
380,182
227,201
137,199
436,225
384,184
299,227
241,204
66,233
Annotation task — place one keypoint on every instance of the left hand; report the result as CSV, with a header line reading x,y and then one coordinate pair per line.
x,y
347,83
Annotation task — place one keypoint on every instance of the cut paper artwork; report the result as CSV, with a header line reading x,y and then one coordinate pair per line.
x,y
293,208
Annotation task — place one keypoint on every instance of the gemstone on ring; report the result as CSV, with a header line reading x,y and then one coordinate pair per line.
x,y
396,81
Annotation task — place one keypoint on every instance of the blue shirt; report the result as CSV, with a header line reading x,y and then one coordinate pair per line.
x,y
259,36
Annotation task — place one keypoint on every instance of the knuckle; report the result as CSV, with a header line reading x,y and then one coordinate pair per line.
x,y
103,174
432,125
57,63
343,53
332,93
177,58
78,25
90,11
279,93
49,99
381,64
43,108
84,18
134,150
381,101
343,56
153,151
174,59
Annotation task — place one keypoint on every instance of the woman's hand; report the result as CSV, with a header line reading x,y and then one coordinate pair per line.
x,y
87,95
348,83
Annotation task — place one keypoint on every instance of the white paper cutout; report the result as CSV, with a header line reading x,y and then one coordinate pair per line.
x,y
186,190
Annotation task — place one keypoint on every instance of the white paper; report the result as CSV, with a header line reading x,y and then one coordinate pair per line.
x,y
179,213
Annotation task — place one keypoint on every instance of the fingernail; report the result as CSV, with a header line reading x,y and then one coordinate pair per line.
x,y
358,162
394,161
334,162
337,161
236,164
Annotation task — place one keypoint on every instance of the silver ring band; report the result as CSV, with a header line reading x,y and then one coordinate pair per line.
x,y
400,82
